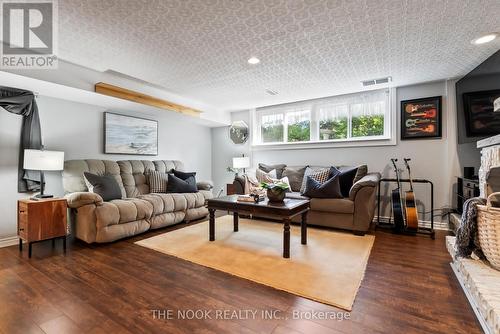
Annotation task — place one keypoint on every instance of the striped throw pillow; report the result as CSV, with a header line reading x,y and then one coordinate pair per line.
x,y
157,181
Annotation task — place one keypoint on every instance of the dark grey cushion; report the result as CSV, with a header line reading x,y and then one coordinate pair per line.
x,y
279,169
328,189
183,175
346,179
295,176
177,185
189,177
103,185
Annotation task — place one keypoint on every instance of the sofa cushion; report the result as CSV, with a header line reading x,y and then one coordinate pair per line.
x,y
133,173
328,189
184,175
338,205
279,169
157,181
346,179
122,211
263,176
295,176
177,185
103,185
361,173
319,174
73,180
195,200
164,203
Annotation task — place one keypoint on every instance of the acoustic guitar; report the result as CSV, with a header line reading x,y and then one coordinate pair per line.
x,y
411,213
397,203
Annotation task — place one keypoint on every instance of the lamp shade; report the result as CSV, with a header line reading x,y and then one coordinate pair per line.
x,y
43,160
241,162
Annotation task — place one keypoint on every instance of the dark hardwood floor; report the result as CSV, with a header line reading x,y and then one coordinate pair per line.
x,y
409,287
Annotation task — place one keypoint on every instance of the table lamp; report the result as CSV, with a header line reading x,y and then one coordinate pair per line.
x,y
41,160
241,163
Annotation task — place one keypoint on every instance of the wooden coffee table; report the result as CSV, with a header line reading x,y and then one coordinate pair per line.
x,y
282,211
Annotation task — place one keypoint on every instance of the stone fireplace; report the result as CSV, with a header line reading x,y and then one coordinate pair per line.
x,y
490,158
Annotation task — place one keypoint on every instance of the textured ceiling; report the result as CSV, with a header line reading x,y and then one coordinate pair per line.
x,y
199,48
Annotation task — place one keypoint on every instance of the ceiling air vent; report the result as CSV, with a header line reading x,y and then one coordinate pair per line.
x,y
271,92
379,81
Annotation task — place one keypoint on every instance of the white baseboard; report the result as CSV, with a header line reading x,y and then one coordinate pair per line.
x,y
438,225
9,241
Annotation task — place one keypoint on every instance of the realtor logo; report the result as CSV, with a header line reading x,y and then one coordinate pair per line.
x,y
29,34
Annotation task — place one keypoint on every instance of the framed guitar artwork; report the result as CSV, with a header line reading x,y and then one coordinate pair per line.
x,y
421,118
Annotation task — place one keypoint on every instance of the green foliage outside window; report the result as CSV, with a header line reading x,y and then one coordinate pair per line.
x,y
364,126
272,133
300,131
333,129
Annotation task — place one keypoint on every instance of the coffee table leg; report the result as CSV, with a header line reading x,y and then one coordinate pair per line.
x,y
303,229
211,224
286,238
235,221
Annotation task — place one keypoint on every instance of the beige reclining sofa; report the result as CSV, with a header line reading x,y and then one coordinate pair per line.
x,y
139,210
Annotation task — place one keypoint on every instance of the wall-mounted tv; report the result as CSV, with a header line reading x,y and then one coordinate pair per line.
x,y
480,119
475,93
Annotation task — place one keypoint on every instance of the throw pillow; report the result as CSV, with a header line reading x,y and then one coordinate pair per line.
x,y
265,177
284,180
183,175
157,181
346,177
105,186
295,175
279,169
328,189
319,174
178,185
361,173
190,177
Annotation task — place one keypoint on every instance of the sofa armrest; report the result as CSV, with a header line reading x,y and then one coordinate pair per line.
x,y
79,199
205,185
239,184
369,180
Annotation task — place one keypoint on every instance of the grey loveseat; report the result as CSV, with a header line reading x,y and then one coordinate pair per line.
x,y
138,210
354,213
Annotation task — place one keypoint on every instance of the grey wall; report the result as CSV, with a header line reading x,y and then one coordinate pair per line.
x,y
77,129
439,160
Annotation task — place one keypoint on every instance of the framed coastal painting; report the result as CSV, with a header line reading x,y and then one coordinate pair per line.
x,y
130,135
421,118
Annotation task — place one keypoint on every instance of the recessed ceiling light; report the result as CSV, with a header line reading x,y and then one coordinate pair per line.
x,y
254,60
485,39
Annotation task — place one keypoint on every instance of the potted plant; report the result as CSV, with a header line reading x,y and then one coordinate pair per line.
x,y
275,191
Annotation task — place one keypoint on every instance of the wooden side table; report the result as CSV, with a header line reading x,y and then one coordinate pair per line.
x,y
41,220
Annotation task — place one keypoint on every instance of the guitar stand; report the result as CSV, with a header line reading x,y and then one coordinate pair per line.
x,y
421,230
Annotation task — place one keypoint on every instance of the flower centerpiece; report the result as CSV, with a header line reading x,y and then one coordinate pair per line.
x,y
275,191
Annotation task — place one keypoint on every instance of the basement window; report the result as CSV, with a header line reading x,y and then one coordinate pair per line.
x,y
356,117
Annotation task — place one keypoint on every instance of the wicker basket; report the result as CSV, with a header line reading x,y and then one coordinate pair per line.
x,y
488,225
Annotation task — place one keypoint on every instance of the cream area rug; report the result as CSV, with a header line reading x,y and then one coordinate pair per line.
x,y
329,269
